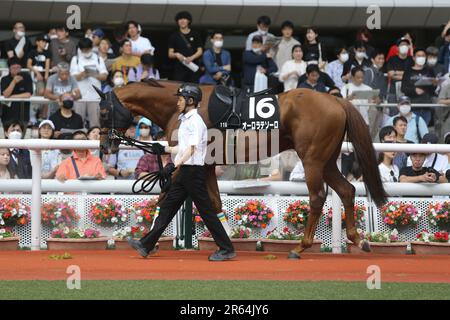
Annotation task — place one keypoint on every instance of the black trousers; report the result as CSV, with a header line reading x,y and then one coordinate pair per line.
x,y
184,74
191,181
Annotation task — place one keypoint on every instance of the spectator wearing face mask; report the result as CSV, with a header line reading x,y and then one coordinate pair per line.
x,y
416,127
217,62
16,84
5,159
65,118
89,70
396,66
256,59
20,164
293,69
283,51
116,80
126,61
19,46
58,84
419,93
63,48
432,61
365,36
313,79
262,25
359,59
145,70
335,68
394,50
139,44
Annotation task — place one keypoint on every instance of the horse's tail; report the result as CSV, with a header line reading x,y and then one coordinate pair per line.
x,y
358,134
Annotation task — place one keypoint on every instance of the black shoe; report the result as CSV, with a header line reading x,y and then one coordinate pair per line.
x,y
137,245
222,255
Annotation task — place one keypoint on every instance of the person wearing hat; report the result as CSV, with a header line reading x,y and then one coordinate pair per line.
x,y
190,180
145,70
185,47
437,161
140,45
419,93
396,66
38,61
416,127
50,158
16,84
97,36
256,59
394,49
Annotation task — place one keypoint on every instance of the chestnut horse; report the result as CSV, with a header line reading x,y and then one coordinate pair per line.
x,y
313,124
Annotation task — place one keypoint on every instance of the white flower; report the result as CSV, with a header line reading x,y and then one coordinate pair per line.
x,y
1,237
123,219
2,223
2,231
111,242
66,230
142,228
114,220
140,219
127,229
13,212
80,233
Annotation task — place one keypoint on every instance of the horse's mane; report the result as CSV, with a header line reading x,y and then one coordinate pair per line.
x,y
153,83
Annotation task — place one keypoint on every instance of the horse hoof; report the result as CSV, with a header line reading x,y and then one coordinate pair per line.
x,y
365,246
293,256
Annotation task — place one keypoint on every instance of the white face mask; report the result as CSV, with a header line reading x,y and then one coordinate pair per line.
x,y
343,57
405,109
144,132
420,61
87,55
15,135
403,49
54,36
263,32
432,61
118,81
21,34
360,55
256,50
218,44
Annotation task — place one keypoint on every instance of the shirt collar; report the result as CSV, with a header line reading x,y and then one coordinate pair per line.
x,y
75,155
185,116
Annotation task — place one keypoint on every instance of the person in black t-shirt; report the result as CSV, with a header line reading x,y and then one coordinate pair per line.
x,y
359,58
38,61
185,47
396,66
18,46
419,94
65,118
417,173
16,84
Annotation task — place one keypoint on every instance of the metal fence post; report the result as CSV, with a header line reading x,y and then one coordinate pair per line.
x,y
36,161
337,218
188,223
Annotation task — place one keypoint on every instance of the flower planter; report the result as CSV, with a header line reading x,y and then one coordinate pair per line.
x,y
165,243
238,244
77,244
419,247
288,245
388,248
10,243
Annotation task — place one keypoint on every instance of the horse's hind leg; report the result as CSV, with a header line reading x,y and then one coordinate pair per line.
x,y
317,196
346,192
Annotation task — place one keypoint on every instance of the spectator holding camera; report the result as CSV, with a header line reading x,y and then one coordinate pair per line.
x,y
418,173
16,84
217,62
65,117
63,48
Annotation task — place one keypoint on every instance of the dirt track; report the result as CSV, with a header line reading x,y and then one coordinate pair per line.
x,y
193,265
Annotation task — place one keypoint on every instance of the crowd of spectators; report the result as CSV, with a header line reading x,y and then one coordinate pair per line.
x,y
64,70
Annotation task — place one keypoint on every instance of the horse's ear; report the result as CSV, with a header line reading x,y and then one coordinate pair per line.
x,y
100,93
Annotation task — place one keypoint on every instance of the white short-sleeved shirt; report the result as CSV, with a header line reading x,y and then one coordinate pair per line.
x,y
79,64
192,132
385,173
140,45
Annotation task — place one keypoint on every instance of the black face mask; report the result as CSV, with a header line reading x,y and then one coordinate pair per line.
x,y
68,104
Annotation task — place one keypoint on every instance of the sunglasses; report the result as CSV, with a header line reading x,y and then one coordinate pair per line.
x,y
394,178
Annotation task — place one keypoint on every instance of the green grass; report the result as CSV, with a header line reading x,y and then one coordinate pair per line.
x,y
222,290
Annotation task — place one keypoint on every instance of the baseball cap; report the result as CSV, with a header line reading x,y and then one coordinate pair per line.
x,y
429,138
99,33
42,37
49,122
403,39
404,99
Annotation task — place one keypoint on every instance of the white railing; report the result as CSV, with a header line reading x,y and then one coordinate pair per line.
x,y
36,145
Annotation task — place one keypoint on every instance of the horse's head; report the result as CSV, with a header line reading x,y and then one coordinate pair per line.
x,y
113,115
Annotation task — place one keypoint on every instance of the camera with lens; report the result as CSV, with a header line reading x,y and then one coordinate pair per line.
x,y
436,173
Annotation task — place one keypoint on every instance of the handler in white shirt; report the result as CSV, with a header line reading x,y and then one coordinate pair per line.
x,y
190,180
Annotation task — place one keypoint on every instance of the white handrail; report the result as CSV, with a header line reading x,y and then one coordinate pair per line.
x,y
40,100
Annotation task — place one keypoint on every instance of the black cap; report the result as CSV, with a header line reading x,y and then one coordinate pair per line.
x,y
403,39
190,90
429,138
42,37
